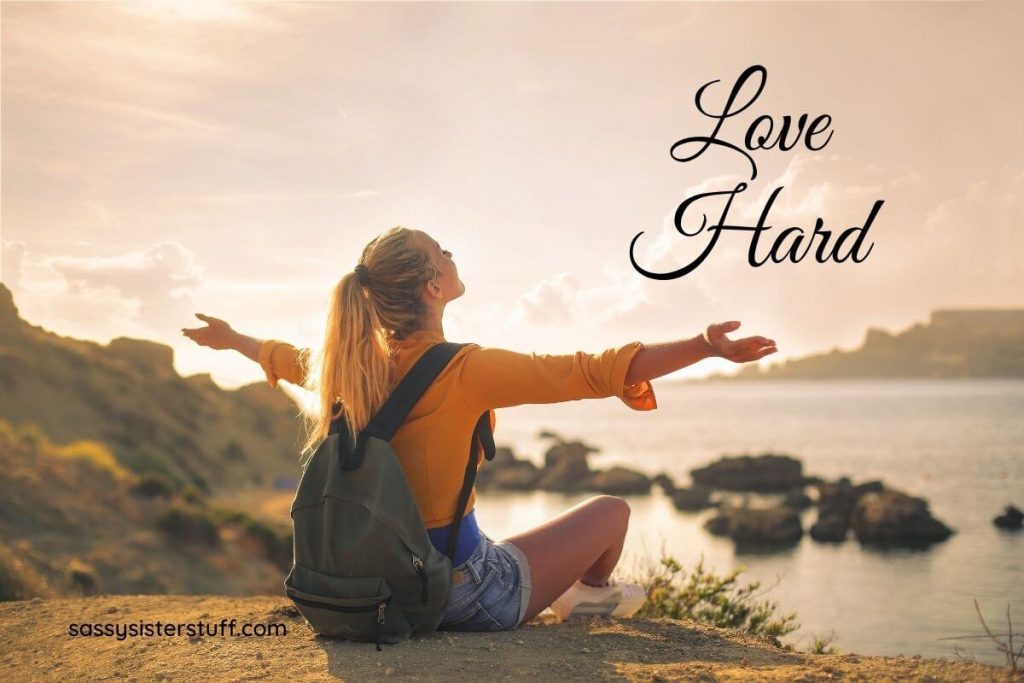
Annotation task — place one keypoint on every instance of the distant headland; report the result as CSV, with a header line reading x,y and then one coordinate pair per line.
x,y
955,344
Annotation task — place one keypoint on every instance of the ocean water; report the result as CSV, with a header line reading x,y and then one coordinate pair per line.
x,y
958,443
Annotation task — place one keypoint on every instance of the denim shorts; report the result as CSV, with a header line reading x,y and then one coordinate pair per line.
x,y
495,592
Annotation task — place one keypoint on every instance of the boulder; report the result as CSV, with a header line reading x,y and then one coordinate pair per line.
x,y
830,528
522,476
836,501
618,481
797,499
503,455
565,466
665,482
778,526
1012,518
767,473
693,498
893,518
506,472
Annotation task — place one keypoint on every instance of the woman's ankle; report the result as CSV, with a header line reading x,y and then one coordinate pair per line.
x,y
595,584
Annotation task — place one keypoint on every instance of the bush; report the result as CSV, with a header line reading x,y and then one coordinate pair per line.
x,y
96,454
30,434
189,525
718,600
82,577
824,645
18,580
193,495
276,540
153,485
277,545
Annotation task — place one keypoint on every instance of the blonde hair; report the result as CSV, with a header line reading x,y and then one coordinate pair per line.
x,y
354,371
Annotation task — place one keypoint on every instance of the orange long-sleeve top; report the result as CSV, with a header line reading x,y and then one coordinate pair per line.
x,y
433,442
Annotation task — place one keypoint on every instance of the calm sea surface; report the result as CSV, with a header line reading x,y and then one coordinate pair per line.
x,y
958,443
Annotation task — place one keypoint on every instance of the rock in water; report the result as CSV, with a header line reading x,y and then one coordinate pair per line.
x,y
836,501
830,529
693,498
565,466
1012,518
894,518
618,481
665,482
508,473
767,473
797,499
778,526
522,476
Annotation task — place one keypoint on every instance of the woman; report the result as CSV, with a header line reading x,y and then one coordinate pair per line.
x,y
382,316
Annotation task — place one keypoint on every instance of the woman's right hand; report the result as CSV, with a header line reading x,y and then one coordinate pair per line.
x,y
216,335
737,350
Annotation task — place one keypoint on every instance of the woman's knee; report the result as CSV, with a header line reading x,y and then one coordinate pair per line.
x,y
616,506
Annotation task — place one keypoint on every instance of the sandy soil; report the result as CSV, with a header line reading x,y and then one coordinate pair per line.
x,y
35,645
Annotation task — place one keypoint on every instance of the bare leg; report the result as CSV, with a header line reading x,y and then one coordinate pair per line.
x,y
584,543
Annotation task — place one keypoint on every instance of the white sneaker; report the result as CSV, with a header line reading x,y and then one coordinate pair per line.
x,y
616,599
633,598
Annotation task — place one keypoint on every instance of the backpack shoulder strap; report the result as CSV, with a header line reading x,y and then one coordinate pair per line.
x,y
410,389
482,434
400,403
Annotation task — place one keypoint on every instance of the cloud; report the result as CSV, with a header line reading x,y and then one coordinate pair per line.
x,y
143,293
550,302
989,213
564,300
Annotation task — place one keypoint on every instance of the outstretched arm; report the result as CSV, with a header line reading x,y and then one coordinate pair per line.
x,y
498,378
278,359
656,360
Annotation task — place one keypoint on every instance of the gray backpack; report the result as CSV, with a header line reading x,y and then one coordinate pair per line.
x,y
364,567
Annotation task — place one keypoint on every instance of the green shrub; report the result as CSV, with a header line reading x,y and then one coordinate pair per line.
x,y
190,525
94,453
222,516
82,577
277,544
717,600
823,645
30,434
153,485
18,580
193,495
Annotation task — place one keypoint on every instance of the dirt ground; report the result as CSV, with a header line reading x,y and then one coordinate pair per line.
x,y
36,645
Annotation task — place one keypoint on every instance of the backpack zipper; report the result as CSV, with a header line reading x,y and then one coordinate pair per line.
x,y
417,564
341,608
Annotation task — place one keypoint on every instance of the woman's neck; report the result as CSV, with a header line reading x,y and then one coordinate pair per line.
x,y
432,322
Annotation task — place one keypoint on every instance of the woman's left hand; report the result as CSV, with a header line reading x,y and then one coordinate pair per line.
x,y
737,350
217,334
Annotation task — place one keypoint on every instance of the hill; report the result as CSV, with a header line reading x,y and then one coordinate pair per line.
x,y
128,396
967,343
74,521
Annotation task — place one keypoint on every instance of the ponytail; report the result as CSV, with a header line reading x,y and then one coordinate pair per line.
x,y
354,372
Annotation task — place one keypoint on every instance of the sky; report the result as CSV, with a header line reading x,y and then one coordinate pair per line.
x,y
165,158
